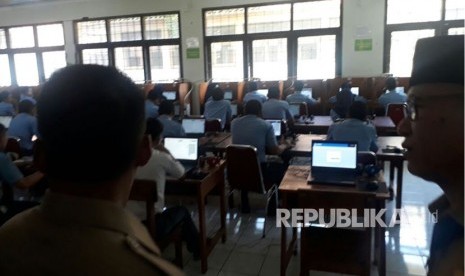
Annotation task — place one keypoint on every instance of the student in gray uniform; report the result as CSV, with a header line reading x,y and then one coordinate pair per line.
x,y
218,107
171,128
391,95
252,93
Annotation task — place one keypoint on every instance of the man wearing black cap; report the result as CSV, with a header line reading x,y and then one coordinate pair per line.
x,y
434,140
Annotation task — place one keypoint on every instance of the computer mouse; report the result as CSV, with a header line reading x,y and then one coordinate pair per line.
x,y
372,185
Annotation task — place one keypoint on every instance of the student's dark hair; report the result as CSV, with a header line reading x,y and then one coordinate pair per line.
x,y
344,100
358,110
273,92
4,95
91,121
25,106
347,85
252,86
154,128
298,86
391,83
253,107
166,108
156,92
217,94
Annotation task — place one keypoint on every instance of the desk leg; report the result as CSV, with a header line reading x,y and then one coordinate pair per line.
x,y
202,232
223,212
400,175
283,251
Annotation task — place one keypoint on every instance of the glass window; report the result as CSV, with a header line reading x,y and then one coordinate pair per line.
x,y
456,31
455,9
402,50
273,18
5,77
401,11
225,22
95,56
161,26
270,59
316,57
2,39
21,37
317,15
50,35
26,69
53,61
164,62
91,32
130,61
227,61
125,29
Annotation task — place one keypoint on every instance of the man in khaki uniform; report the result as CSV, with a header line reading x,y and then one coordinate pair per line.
x,y
91,121
434,140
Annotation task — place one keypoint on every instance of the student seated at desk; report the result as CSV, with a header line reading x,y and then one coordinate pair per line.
x,y
152,103
162,163
355,128
165,115
298,97
218,107
252,130
391,95
6,107
252,93
24,126
274,108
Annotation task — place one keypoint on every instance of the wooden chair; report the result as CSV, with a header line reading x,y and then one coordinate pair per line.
x,y
397,112
213,125
339,250
146,190
244,173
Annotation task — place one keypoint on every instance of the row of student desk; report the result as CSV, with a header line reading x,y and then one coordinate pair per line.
x,y
320,125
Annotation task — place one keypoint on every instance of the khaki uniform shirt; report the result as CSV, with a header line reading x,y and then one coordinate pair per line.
x,y
69,235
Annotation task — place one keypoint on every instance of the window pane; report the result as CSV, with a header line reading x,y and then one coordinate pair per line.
x,y
53,61
227,61
164,62
161,26
316,15
273,18
401,11
95,56
455,9
316,57
2,39
402,49
21,37
225,22
5,77
91,32
125,29
26,69
50,35
270,59
456,31
129,60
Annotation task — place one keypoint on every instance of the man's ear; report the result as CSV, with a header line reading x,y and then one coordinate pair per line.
x,y
39,156
145,151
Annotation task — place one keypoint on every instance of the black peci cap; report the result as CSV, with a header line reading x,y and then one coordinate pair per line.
x,y
438,60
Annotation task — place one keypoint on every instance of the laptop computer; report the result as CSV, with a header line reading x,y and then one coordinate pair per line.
x,y
5,121
185,150
263,92
294,109
228,95
276,124
333,162
233,109
354,90
170,95
400,89
307,92
194,127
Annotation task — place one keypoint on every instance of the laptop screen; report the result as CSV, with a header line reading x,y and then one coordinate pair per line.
x,y
183,148
5,121
228,95
354,90
294,109
194,126
307,92
400,89
276,124
334,154
170,95
263,92
234,110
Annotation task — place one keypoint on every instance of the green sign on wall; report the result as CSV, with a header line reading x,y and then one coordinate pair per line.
x,y
363,44
193,52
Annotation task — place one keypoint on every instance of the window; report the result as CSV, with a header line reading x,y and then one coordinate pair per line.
x,y
273,41
405,25
145,47
35,51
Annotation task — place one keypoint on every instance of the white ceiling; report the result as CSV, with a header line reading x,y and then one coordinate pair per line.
x,y
6,3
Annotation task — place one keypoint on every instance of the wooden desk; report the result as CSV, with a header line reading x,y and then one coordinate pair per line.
x,y
303,144
320,125
214,181
295,179
396,161
211,142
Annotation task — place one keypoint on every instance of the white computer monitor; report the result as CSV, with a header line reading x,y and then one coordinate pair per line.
x,y
193,125
276,124
234,110
307,92
182,148
263,92
400,89
228,95
170,95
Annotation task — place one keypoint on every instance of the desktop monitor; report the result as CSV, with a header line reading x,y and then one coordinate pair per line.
x,y
307,92
182,148
170,95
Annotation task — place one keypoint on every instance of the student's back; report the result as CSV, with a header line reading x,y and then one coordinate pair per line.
x,y
24,126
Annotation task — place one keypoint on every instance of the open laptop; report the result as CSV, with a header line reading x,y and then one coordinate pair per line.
x,y
228,95
307,92
170,95
294,109
263,92
194,127
400,89
333,162
354,90
233,109
186,150
276,124
6,120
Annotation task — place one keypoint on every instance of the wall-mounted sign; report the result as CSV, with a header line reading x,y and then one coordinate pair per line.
x,y
363,44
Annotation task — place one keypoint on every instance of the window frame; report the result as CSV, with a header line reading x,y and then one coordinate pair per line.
x,y
144,43
291,36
